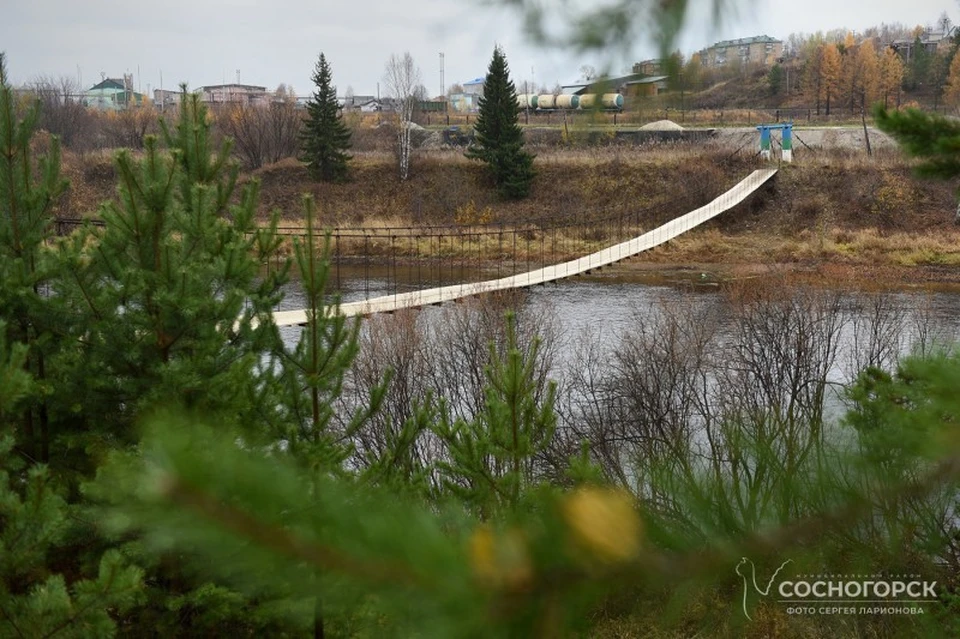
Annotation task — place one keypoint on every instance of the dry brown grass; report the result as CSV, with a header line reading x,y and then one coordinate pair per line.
x,y
862,247
835,206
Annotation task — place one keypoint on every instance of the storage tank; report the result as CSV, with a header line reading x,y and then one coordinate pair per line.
x,y
588,100
612,101
546,101
527,100
564,101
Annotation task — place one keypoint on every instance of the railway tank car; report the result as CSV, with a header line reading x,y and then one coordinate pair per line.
x,y
569,102
527,100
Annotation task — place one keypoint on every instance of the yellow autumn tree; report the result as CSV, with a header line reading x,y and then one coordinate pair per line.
x,y
951,91
830,70
813,77
891,76
867,79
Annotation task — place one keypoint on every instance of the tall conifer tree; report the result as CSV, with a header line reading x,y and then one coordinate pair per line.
x,y
325,138
498,139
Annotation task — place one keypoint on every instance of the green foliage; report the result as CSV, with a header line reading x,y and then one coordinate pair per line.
x,y
313,371
492,458
933,138
14,381
412,569
177,310
325,138
29,188
598,28
35,600
920,67
775,79
498,138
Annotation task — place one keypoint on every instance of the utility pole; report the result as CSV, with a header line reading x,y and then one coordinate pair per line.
x,y
443,90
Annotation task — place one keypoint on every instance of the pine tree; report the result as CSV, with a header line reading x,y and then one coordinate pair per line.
x,y
29,188
932,138
498,138
325,138
492,458
178,309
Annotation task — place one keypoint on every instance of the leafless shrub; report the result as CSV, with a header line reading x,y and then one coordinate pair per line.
x,y
127,128
442,356
877,332
61,111
392,347
262,133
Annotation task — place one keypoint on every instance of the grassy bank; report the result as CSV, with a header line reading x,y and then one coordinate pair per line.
x,y
831,206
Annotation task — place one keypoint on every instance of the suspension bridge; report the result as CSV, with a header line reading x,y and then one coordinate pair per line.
x,y
583,265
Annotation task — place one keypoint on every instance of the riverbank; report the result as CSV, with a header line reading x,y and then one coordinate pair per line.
x,y
834,206
832,274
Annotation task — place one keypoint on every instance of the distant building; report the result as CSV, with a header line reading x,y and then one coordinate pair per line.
x,y
463,102
370,106
166,97
654,66
473,87
112,94
233,94
931,41
632,84
352,102
758,50
650,85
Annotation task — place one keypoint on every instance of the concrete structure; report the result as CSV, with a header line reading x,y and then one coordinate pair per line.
x,y
786,142
758,50
166,97
606,257
233,94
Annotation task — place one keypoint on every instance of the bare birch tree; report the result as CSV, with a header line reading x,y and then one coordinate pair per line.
x,y
402,78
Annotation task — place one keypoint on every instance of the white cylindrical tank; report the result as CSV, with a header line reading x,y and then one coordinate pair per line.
x,y
612,101
545,101
526,100
588,100
565,101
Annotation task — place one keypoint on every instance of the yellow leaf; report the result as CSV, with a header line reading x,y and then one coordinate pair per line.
x,y
604,522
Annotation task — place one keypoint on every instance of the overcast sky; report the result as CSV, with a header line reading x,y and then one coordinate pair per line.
x,y
272,41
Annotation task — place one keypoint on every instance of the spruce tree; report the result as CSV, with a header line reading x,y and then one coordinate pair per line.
x,y
325,138
498,139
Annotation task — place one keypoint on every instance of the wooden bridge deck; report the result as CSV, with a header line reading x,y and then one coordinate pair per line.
x,y
605,257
